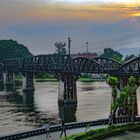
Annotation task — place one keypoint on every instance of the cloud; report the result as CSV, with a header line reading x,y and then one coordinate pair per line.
x,y
15,10
39,24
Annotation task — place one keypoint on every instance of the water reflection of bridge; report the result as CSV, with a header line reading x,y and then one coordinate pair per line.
x,y
23,101
67,112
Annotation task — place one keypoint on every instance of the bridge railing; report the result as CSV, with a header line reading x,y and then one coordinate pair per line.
x,y
39,131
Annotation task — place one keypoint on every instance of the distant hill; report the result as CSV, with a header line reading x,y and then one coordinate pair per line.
x,y
12,49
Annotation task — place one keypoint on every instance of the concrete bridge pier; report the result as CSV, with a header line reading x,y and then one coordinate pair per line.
x,y
67,88
28,81
28,101
1,81
9,78
1,77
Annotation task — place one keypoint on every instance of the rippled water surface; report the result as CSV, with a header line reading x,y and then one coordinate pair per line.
x,y
20,111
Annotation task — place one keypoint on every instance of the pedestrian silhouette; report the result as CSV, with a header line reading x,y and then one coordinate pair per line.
x,y
47,129
110,119
63,129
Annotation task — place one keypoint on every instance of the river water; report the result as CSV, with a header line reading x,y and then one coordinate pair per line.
x,y
20,111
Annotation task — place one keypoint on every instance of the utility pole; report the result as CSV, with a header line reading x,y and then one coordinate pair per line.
x,y
87,43
69,43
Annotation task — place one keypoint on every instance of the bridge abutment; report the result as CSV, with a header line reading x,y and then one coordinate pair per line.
x,y
67,88
28,81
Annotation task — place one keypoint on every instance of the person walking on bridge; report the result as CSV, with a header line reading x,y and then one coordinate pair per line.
x,y
63,129
110,119
47,129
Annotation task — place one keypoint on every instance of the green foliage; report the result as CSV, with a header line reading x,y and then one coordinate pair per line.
x,y
114,94
102,133
44,76
113,106
123,94
110,53
12,49
131,81
121,98
125,97
116,58
113,81
60,48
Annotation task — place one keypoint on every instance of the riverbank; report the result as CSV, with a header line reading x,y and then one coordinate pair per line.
x,y
80,79
50,78
46,80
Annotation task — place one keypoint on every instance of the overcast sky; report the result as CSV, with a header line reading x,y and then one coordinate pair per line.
x,y
38,24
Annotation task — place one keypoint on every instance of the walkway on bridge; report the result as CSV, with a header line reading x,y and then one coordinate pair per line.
x,y
72,128
56,135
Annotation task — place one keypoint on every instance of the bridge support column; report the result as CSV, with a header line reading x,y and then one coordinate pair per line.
x,y
1,81
9,78
28,81
1,77
67,88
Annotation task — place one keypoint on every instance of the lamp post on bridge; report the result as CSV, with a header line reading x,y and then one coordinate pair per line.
x,y
69,43
87,43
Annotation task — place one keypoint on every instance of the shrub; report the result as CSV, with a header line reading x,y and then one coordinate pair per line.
x,y
104,132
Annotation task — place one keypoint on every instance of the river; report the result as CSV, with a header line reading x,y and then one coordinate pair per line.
x,y
20,111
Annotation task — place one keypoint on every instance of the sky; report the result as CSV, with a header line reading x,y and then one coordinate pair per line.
x,y
38,24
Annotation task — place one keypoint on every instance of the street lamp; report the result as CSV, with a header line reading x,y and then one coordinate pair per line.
x,y
87,43
69,43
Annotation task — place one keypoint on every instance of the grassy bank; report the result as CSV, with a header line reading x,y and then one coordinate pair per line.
x,y
50,78
104,132
55,80
81,79
46,80
89,79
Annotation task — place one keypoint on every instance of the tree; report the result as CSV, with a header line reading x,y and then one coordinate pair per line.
x,y
113,82
131,90
110,53
12,49
116,58
123,99
60,48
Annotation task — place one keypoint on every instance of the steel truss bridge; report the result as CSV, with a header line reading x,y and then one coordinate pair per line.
x,y
67,70
54,63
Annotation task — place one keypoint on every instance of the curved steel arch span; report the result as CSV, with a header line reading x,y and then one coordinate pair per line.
x,y
108,63
83,65
131,68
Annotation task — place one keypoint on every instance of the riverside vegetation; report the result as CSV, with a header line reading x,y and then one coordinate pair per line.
x,y
102,133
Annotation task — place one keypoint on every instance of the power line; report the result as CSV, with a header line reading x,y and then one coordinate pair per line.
x,y
115,42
